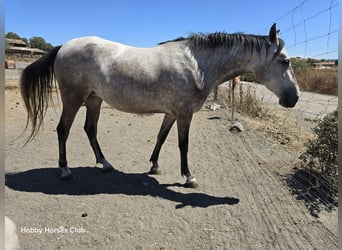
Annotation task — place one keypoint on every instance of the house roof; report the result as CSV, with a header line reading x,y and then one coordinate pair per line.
x,y
16,42
26,50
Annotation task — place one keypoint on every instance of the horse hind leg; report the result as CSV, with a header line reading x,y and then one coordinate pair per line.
x,y
93,104
68,115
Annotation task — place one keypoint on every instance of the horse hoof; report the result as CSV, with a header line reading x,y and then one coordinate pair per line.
x,y
191,183
68,178
107,170
66,174
155,170
106,167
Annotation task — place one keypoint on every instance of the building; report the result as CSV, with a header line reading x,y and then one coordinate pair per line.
x,y
18,48
326,64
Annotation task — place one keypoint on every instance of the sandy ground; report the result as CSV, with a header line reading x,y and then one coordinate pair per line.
x,y
243,201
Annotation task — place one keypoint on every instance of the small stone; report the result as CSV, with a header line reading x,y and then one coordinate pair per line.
x,y
236,126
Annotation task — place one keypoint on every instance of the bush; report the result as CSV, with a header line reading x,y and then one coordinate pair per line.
x,y
245,101
321,152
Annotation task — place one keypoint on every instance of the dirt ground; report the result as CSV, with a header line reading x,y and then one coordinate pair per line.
x,y
243,201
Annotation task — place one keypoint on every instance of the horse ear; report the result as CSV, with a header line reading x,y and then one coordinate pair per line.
x,y
273,36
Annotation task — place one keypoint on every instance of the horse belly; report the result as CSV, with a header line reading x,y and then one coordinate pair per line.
x,y
141,88
137,101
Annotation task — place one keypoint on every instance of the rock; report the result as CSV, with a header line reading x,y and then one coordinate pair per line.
x,y
236,126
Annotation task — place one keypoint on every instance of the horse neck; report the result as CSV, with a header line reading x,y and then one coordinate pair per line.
x,y
222,64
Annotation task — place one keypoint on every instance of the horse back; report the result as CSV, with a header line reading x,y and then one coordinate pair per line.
x,y
139,80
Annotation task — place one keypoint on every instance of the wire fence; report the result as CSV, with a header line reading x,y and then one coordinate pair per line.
x,y
316,188
299,29
291,129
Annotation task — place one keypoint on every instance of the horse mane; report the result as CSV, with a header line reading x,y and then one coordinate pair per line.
x,y
174,40
221,39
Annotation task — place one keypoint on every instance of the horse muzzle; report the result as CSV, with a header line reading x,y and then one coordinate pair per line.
x,y
288,101
289,97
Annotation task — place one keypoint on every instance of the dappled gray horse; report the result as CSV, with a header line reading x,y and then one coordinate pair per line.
x,y
174,78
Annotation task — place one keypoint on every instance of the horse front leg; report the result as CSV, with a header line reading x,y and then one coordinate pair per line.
x,y
163,133
183,126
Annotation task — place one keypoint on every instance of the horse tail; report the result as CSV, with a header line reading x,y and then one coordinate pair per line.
x,y
36,84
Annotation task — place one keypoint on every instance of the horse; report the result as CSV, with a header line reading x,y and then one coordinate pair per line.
x,y
174,77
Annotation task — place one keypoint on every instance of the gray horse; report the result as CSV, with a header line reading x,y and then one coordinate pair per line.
x,y
173,78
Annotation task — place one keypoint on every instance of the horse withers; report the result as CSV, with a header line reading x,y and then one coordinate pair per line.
x,y
173,78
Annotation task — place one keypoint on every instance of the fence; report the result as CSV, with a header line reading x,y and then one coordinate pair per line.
x,y
290,128
302,40
299,29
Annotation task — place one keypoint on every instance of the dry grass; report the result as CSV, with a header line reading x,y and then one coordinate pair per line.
x,y
293,133
273,123
323,81
245,101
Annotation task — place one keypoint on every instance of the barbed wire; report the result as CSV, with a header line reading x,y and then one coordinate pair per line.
x,y
313,38
326,53
311,17
301,33
287,13
287,126
309,37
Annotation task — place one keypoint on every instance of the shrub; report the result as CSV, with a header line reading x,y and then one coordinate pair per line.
x,y
246,101
321,152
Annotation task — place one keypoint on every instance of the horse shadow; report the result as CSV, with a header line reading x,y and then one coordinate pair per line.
x,y
92,181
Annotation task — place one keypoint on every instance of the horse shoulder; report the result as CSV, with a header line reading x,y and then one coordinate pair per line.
x,y
194,70
197,74
179,59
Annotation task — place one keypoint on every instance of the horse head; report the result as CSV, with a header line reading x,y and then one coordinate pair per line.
x,y
277,73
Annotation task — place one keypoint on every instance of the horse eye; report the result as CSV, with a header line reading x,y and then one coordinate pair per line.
x,y
286,61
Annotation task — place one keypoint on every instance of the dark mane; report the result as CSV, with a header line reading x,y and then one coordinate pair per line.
x,y
221,39
174,40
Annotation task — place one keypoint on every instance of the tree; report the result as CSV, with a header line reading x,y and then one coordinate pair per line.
x,y
40,43
300,65
25,40
12,35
